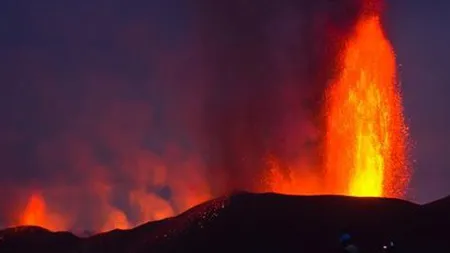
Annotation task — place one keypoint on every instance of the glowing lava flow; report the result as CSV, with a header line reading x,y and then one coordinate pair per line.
x,y
366,134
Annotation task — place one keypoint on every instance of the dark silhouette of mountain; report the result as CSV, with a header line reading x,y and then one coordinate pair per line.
x,y
246,222
36,239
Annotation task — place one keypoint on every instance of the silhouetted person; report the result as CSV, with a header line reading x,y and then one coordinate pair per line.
x,y
347,244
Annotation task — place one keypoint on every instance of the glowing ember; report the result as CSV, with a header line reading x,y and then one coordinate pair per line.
x,y
366,134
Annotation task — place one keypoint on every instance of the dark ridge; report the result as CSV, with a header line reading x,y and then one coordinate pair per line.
x,y
36,239
267,222
440,203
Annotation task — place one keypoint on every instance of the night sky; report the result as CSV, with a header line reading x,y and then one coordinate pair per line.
x,y
417,31
80,75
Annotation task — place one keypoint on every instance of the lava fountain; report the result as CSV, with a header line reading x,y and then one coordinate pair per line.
x,y
36,213
366,136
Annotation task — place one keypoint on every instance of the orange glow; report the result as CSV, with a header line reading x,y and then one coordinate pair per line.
x,y
37,214
291,180
366,133
116,220
35,211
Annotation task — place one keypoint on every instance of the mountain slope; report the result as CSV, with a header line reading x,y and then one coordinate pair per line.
x,y
269,222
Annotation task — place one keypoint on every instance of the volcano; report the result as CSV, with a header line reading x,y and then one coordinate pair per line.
x,y
267,222
290,97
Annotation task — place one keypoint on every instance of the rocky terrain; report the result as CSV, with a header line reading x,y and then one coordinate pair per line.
x,y
247,222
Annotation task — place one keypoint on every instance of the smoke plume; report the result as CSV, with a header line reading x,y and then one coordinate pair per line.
x,y
116,115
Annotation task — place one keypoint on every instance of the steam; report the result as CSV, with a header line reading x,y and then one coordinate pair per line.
x,y
117,119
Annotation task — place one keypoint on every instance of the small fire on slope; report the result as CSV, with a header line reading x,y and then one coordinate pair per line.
x,y
36,214
35,211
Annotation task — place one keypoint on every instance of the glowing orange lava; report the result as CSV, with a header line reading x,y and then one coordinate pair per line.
x,y
36,214
35,211
366,133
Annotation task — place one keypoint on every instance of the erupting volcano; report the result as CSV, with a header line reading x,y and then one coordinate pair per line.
x,y
232,105
366,134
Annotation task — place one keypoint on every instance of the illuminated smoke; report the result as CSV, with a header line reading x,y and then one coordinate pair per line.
x,y
121,119
268,67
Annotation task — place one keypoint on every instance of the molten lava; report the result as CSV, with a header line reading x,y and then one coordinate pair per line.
x,y
34,213
366,133
37,214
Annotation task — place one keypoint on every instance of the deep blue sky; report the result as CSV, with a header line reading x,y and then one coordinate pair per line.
x,y
65,63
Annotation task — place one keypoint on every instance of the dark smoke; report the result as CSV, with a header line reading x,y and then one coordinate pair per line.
x,y
269,64
151,106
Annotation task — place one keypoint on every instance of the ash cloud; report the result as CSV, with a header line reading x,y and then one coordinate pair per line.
x,y
269,65
141,110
